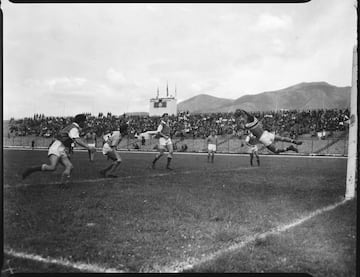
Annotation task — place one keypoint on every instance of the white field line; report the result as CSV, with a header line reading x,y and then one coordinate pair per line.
x,y
287,155
7,186
179,266
63,262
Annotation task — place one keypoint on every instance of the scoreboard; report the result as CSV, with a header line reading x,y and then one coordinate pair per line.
x,y
158,106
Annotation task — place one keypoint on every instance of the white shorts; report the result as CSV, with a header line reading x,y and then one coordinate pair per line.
x,y
164,142
91,144
267,138
107,149
253,148
212,147
58,149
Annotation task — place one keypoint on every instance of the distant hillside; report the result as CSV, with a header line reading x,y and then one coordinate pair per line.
x,y
302,96
203,103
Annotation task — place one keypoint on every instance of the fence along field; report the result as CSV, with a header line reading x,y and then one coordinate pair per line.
x,y
335,145
159,221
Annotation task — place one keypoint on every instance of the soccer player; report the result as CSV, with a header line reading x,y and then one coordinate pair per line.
x,y
90,138
111,141
59,149
163,132
251,141
211,141
268,139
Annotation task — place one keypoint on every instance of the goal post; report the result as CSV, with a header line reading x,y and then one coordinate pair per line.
x,y
353,129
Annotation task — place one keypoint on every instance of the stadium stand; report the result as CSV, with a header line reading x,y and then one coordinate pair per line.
x,y
324,131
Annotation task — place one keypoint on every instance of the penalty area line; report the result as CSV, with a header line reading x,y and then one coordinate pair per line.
x,y
62,262
179,266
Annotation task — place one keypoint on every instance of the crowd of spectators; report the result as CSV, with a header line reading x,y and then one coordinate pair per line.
x,y
284,122
296,123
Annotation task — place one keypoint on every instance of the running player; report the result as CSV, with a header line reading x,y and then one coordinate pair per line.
x,y
251,141
90,138
111,141
59,149
268,139
211,141
163,132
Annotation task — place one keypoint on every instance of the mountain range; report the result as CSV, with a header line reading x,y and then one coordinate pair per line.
x,y
303,96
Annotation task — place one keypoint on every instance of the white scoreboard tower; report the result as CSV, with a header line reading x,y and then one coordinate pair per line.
x,y
160,105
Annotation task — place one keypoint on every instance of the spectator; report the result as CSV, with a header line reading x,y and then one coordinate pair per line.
x,y
142,140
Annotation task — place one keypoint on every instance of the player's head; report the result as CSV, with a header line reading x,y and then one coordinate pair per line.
x,y
165,116
80,119
213,132
243,116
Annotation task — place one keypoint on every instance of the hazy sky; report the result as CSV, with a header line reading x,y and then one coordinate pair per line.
x,y
62,59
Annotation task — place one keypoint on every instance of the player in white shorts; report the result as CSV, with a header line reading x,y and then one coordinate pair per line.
x,y
165,143
211,141
59,149
111,141
268,139
251,141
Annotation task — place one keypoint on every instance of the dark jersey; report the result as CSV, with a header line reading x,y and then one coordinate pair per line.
x,y
64,137
255,127
164,128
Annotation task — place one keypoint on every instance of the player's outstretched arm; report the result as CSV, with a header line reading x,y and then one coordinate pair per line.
x,y
80,142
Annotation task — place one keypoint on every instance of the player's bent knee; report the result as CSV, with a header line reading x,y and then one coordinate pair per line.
x,y
49,167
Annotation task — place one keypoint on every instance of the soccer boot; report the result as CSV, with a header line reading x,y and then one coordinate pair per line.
x,y
64,182
293,148
26,173
30,170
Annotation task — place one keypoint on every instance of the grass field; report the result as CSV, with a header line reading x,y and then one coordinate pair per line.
x,y
201,217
